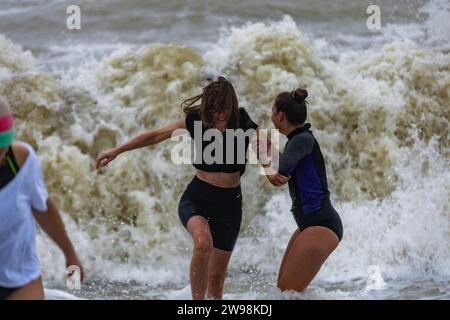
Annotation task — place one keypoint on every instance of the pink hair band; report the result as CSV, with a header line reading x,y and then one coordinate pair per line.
x,y
6,122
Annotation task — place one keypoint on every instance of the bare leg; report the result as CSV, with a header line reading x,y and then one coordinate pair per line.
x,y
31,291
218,264
307,253
199,229
286,254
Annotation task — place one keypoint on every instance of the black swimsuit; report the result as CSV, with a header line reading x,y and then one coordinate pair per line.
x,y
222,207
9,169
302,159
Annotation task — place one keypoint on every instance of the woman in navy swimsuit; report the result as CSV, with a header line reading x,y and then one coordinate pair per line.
x,y
319,226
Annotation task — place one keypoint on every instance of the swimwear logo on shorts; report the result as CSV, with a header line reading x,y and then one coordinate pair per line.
x,y
227,147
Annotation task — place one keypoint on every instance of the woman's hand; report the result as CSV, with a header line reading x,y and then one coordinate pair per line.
x,y
106,157
277,179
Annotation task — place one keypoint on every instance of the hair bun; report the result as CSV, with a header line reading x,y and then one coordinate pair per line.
x,y
299,95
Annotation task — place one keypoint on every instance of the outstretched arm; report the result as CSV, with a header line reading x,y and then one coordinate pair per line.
x,y
53,226
146,139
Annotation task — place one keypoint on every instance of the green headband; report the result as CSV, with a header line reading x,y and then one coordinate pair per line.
x,y
7,137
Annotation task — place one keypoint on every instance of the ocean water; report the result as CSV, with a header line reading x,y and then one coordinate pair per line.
x,y
379,106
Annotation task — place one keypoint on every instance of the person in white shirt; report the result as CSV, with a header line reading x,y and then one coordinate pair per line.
x,y
23,202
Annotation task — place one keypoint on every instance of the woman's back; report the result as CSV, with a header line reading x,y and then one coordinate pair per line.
x,y
304,162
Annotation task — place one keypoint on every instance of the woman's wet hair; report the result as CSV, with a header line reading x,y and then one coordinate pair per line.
x,y
218,96
293,104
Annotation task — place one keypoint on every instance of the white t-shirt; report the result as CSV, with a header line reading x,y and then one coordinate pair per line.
x,y
19,263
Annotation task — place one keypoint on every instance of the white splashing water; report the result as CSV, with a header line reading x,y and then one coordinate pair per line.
x,y
381,116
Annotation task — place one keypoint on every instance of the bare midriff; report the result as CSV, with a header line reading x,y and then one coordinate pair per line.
x,y
220,179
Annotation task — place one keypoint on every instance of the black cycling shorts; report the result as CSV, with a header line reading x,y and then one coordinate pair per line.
x,y
222,207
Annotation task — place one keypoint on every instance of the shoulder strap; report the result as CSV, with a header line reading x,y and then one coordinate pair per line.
x,y
11,162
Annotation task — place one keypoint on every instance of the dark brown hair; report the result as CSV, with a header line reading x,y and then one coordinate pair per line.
x,y
218,96
293,104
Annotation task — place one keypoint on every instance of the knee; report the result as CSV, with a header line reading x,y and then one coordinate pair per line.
x,y
203,244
